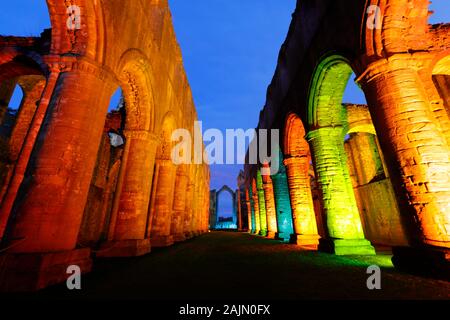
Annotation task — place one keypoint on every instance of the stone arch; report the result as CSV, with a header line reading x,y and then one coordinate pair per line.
x,y
326,118
168,125
297,160
441,79
88,40
219,224
327,90
136,79
295,144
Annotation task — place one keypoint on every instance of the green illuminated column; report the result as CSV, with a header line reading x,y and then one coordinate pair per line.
x,y
256,207
250,212
262,204
255,211
339,203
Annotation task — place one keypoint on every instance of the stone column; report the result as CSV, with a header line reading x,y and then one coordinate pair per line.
x,y
55,188
161,222
18,173
195,204
255,203
282,205
272,228
339,203
262,205
129,237
303,215
179,205
32,87
250,212
240,202
416,152
188,208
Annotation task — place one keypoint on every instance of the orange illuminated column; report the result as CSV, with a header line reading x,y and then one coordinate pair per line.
x,y
199,208
255,202
303,215
132,198
271,212
250,213
179,205
9,195
195,205
416,152
32,87
189,211
161,222
58,175
339,202
239,203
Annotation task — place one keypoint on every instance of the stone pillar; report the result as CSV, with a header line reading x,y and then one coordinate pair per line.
x,y
339,203
195,205
239,209
188,232
272,228
250,212
199,209
416,153
32,87
179,205
282,205
255,203
129,235
262,205
18,174
58,175
303,215
161,222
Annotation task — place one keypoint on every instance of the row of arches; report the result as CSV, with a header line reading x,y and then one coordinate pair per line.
x,y
354,176
89,168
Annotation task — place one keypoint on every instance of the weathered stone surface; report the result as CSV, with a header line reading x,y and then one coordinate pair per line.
x,y
70,187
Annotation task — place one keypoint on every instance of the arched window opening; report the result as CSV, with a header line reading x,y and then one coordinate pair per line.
x,y
367,168
226,211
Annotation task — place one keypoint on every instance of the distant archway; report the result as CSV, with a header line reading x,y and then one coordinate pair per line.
x,y
223,217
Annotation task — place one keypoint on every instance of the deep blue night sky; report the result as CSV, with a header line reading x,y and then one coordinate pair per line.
x,y
230,50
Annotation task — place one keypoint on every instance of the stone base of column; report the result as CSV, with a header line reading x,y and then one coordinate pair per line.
x,y
306,241
124,248
428,261
345,247
179,237
162,241
263,233
188,235
34,271
285,237
271,235
256,232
